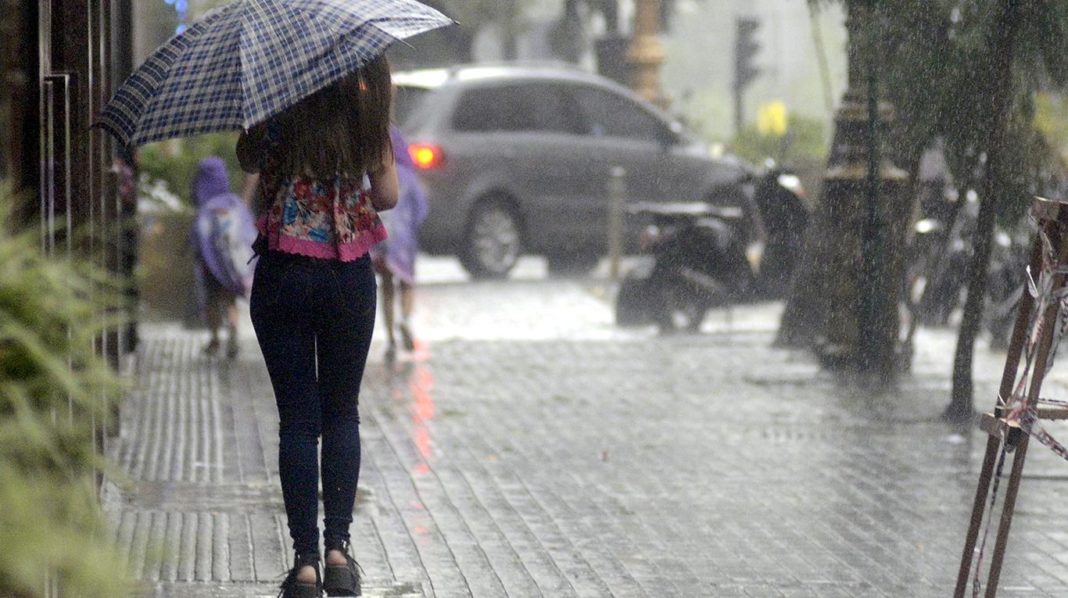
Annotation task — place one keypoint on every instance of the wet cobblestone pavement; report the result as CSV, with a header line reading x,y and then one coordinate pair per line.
x,y
530,448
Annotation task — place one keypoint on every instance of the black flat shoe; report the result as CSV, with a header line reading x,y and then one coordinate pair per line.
x,y
293,588
342,580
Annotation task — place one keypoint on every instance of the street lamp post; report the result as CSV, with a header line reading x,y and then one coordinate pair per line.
x,y
646,53
847,291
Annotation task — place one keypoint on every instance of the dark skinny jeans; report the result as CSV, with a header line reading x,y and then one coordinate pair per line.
x,y
314,319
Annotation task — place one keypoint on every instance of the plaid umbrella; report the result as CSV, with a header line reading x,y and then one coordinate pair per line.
x,y
251,59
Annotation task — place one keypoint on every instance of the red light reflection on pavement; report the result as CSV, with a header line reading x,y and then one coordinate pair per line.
x,y
421,386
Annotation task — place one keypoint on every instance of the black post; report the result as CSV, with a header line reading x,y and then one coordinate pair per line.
x,y
739,118
122,40
509,17
24,87
611,15
871,338
745,49
126,171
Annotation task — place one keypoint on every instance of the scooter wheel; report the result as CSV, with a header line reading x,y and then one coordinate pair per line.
x,y
679,311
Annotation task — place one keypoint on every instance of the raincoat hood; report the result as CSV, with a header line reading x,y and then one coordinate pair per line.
x,y
400,149
211,180
224,229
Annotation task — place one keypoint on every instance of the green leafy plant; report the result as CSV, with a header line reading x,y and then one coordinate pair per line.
x,y
1051,119
803,149
175,162
805,141
52,388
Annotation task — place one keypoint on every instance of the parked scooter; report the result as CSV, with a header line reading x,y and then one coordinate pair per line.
x,y
779,197
937,275
1006,284
705,256
699,261
938,264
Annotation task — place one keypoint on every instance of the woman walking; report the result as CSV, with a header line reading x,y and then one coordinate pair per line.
x,y
326,167
395,259
222,231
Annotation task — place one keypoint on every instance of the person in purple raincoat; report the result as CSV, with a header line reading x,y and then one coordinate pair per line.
x,y
394,258
222,237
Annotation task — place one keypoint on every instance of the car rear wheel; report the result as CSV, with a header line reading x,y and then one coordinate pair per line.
x,y
493,243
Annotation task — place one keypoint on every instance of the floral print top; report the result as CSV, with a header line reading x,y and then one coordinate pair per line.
x,y
322,218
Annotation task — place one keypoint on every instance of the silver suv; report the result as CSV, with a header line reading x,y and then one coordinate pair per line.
x,y
519,159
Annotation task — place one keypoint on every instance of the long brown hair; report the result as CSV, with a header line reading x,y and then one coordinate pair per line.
x,y
343,128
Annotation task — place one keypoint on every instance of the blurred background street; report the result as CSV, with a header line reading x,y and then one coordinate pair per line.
x,y
709,296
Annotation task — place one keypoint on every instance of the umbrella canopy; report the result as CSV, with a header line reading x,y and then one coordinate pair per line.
x,y
251,59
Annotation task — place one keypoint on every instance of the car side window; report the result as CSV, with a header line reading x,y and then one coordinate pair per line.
x,y
608,114
523,107
406,101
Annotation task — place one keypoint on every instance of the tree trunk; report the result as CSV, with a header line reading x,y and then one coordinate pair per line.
x,y
1005,30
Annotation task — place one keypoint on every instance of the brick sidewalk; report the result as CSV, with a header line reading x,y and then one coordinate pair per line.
x,y
558,456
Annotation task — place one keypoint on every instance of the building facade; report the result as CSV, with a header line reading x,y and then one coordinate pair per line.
x,y
58,68
59,59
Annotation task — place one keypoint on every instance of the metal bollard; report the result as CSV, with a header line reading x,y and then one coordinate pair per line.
x,y
617,197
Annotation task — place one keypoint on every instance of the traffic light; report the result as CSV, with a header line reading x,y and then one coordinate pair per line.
x,y
745,49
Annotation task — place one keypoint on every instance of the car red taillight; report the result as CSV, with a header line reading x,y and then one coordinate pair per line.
x,y
425,155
